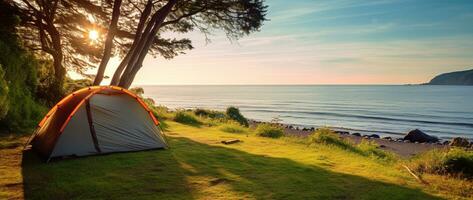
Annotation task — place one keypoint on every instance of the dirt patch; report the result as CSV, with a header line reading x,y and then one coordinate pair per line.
x,y
11,179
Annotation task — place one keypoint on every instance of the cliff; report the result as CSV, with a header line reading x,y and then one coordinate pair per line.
x,y
453,78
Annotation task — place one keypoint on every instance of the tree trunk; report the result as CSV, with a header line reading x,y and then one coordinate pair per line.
x,y
146,41
121,67
108,42
59,72
139,47
57,54
138,33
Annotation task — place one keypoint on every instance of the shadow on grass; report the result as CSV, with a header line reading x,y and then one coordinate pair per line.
x,y
191,170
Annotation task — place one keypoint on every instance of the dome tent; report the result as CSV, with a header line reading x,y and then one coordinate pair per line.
x,y
97,120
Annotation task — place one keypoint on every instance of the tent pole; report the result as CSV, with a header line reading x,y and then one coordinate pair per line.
x,y
30,138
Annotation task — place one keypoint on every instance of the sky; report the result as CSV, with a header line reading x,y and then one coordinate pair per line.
x,y
329,42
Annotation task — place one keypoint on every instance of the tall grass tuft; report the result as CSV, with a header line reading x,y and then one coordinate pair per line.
x,y
454,162
233,128
268,130
370,148
328,137
187,118
365,148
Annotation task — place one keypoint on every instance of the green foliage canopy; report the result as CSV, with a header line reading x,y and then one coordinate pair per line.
x,y
18,78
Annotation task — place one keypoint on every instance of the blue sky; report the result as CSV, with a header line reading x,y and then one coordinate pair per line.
x,y
331,42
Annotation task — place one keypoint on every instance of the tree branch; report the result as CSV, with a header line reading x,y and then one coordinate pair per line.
x,y
183,16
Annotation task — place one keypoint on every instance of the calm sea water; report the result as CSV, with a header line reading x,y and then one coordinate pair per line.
x,y
444,111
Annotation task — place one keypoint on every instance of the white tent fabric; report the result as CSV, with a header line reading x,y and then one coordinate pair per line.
x,y
75,139
121,124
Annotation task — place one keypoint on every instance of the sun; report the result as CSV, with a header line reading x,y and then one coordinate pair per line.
x,y
93,35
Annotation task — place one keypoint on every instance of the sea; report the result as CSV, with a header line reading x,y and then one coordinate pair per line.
x,y
386,110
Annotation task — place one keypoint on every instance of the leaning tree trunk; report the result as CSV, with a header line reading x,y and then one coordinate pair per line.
x,y
139,30
135,52
120,68
146,41
108,42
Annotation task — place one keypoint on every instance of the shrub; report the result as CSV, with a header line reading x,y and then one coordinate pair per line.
x,y
72,85
209,113
268,130
19,78
232,128
234,114
186,118
161,113
201,112
454,161
137,90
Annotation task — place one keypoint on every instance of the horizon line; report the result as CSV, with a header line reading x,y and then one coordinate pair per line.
x,y
226,84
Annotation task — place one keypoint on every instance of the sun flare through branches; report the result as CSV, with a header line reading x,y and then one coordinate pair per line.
x,y
93,35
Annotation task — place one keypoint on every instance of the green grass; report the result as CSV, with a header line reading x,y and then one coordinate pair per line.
x,y
233,128
198,166
364,148
328,137
370,148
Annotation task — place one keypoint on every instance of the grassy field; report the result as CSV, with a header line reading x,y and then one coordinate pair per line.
x,y
198,166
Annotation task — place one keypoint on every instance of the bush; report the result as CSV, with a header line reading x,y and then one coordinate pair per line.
x,y
209,113
234,114
201,112
72,85
186,118
18,67
268,130
137,90
454,161
161,113
232,128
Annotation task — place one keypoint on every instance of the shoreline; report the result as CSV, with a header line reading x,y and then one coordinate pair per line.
x,y
394,134
381,133
398,146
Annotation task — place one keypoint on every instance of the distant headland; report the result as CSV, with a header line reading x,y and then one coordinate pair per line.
x,y
453,78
